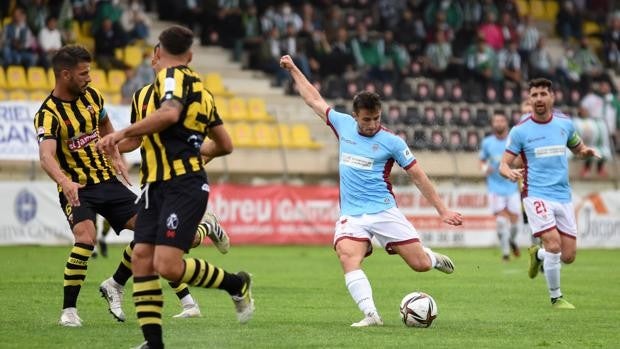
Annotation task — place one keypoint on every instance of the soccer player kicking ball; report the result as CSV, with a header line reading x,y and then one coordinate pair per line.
x,y
368,208
541,140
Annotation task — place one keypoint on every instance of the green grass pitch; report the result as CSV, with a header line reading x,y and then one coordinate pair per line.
x,y
301,302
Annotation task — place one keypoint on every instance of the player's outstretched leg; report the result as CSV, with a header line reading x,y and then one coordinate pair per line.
x,y
440,261
74,276
190,307
211,227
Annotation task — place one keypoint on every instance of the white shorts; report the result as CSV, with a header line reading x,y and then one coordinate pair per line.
x,y
389,227
512,203
545,215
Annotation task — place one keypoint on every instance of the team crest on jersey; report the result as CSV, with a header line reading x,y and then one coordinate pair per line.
x,y
81,141
91,110
375,147
407,154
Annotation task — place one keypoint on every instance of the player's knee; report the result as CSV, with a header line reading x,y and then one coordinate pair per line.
x,y
568,258
167,268
349,260
420,264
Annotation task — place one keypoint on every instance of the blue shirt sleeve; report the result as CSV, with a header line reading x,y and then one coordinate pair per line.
x,y
484,150
402,154
514,144
337,119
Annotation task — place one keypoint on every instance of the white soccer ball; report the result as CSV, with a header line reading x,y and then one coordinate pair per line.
x,y
418,309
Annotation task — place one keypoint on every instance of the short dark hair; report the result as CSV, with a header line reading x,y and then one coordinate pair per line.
x,y
69,56
176,40
366,100
500,113
540,82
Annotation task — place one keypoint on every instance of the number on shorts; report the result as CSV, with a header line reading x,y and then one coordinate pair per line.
x,y
540,208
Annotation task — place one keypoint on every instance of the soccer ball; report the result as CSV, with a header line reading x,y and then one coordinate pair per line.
x,y
418,309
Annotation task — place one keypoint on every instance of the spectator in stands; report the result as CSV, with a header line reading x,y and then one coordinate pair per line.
x,y
489,7
339,58
453,14
50,40
230,28
438,57
108,38
389,14
37,12
132,83
611,42
290,46
106,10
270,53
334,21
367,52
568,22
144,71
540,61
508,28
601,103
135,22
509,62
481,61
395,59
569,71
590,66
492,32
19,43
83,10
308,14
411,33
252,38
529,37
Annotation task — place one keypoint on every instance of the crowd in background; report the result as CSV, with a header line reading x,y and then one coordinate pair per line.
x,y
474,51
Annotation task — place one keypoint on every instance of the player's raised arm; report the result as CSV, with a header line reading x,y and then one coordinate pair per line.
x,y
311,96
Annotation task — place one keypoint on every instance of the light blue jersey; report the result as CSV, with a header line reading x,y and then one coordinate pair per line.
x,y
491,150
365,165
543,149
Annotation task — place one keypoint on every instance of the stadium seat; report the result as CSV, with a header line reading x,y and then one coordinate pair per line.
x,y
482,119
430,117
387,92
37,79
419,140
215,85
551,10
464,118
266,135
537,9
404,92
132,55
243,135
16,77
523,7
422,92
509,96
472,142
341,108
87,29
17,95
393,116
284,133
38,95
559,97
51,78
221,104
455,140
238,109
413,117
447,113
490,95
116,79
3,95
99,80
456,93
591,28
113,98
334,88
437,141
2,78
257,110
301,137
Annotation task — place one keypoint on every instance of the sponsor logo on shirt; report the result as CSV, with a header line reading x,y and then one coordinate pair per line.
x,y
549,151
356,161
530,140
81,141
347,140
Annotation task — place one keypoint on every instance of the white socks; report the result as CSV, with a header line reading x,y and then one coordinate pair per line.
x,y
360,290
430,255
187,301
552,266
503,231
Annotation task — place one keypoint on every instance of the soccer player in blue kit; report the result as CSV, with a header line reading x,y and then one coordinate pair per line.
x,y
368,207
503,194
541,140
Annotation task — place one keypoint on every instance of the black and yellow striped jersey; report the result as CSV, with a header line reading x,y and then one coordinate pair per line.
x,y
176,150
75,127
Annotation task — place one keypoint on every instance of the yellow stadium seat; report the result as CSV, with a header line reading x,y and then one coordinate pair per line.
x,y
17,95
37,79
51,77
112,98
257,110
38,95
2,78
537,9
118,53
116,79
99,80
6,20
87,29
551,10
284,133
523,7
213,82
300,133
243,135
132,55
221,104
266,135
238,109
16,77
3,95
590,27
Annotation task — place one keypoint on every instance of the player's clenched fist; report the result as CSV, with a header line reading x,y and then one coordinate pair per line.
x,y
286,62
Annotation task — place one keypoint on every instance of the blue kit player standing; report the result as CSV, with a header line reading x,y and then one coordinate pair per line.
x,y
368,208
503,194
541,141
